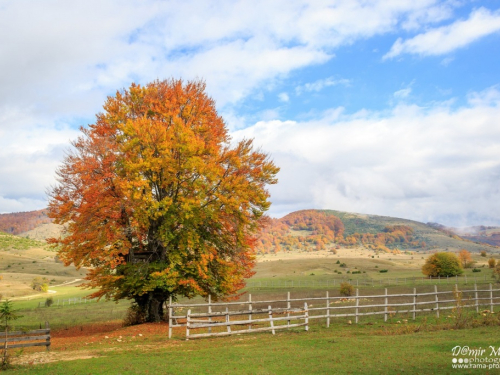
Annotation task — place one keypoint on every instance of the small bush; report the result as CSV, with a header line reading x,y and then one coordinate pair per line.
x,y
483,254
383,271
343,265
355,272
135,315
476,270
491,262
49,302
346,289
40,284
442,264
338,262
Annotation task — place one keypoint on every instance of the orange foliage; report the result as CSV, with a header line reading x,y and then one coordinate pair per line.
x,y
465,258
312,230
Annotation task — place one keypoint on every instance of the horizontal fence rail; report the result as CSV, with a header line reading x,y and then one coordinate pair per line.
x,y
194,323
68,302
369,282
327,307
24,339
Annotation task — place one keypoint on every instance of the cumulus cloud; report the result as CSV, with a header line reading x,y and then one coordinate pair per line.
x,y
67,56
446,39
61,59
31,149
430,164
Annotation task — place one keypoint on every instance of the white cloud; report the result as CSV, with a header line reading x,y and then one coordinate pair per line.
x,y
403,93
68,56
320,84
446,39
283,97
31,149
429,164
61,59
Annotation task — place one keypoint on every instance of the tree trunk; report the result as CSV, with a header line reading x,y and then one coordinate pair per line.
x,y
151,304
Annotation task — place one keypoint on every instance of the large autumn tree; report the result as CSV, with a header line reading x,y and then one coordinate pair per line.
x,y
156,200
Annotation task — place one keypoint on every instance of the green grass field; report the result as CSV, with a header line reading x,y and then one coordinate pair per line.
x,y
371,347
340,349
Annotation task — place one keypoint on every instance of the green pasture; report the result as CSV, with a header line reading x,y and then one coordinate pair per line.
x,y
320,273
384,348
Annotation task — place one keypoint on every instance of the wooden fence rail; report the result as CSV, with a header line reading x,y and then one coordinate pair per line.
x,y
369,282
330,307
194,323
24,339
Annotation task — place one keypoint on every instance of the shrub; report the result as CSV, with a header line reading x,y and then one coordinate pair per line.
x,y
135,315
7,314
49,302
465,258
383,271
442,264
492,262
483,254
476,270
40,284
338,262
355,272
496,272
346,289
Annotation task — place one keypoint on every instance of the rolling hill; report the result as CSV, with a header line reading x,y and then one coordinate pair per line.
x,y
23,259
18,222
312,230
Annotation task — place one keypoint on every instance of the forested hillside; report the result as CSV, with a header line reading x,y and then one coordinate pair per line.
x,y
314,230
19,222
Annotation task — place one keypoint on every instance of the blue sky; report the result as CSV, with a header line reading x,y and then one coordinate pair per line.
x,y
381,107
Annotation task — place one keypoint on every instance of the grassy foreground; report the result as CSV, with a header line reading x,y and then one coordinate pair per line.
x,y
340,349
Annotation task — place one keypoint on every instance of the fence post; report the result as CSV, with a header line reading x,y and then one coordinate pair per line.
x,y
476,298
357,304
188,323
170,320
209,311
271,319
227,320
288,306
491,297
306,316
48,338
250,309
386,303
414,303
465,279
437,300
327,309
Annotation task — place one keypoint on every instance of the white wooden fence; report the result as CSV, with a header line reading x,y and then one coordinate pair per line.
x,y
194,323
329,307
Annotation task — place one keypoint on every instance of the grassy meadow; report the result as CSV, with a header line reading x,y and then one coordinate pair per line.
x,y
88,336
383,348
